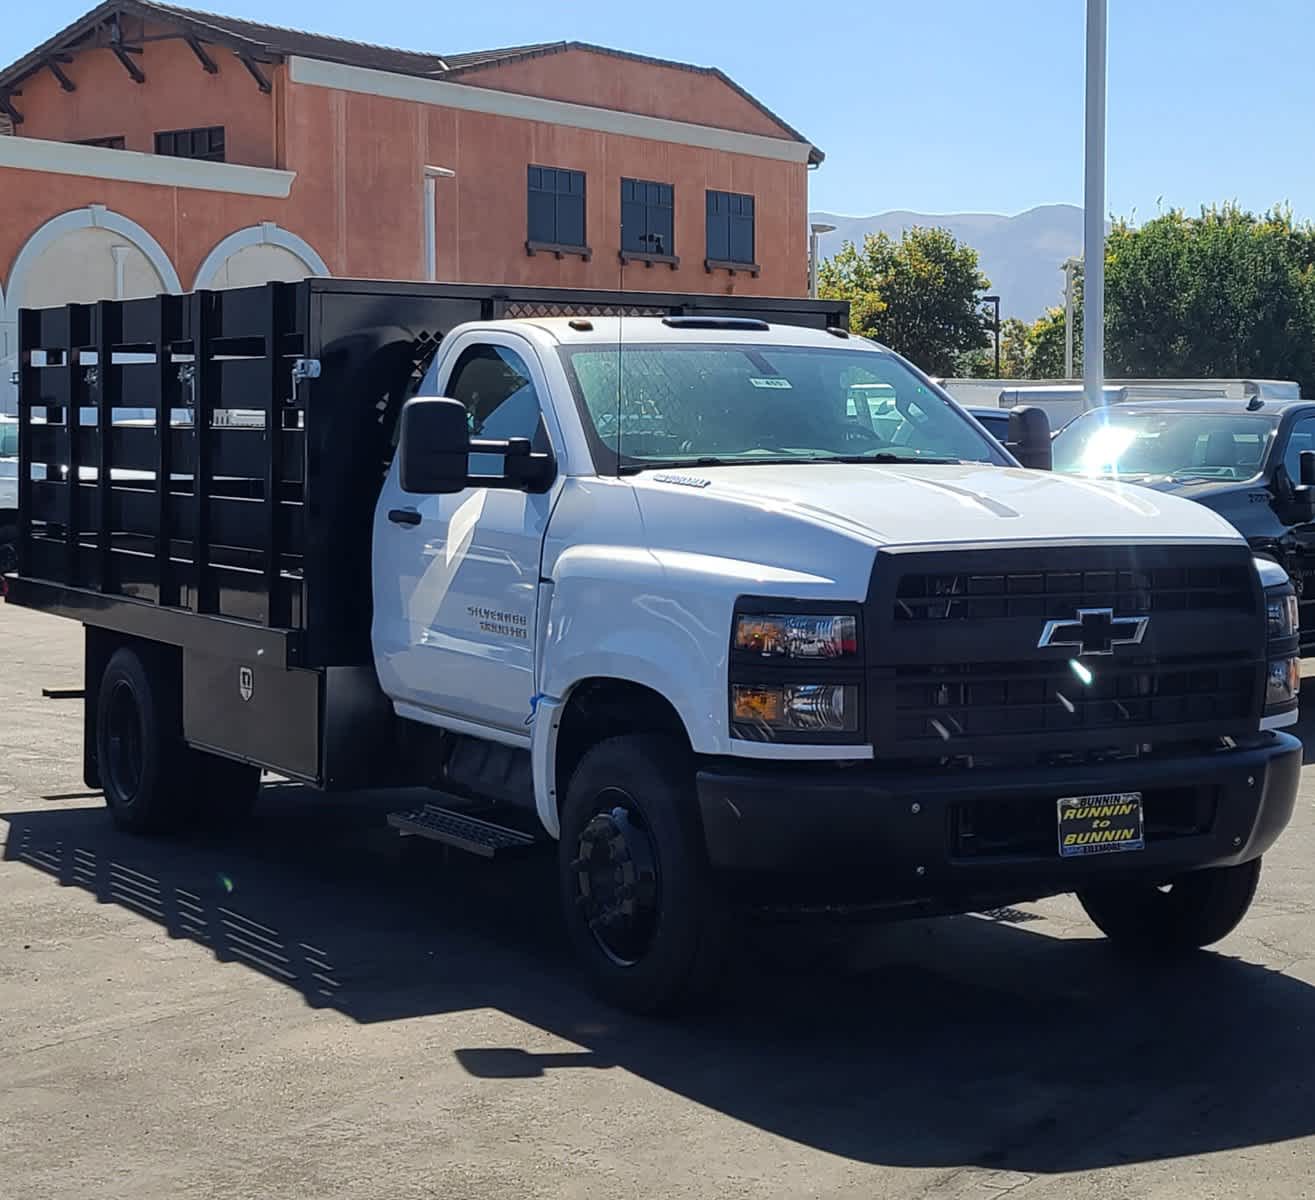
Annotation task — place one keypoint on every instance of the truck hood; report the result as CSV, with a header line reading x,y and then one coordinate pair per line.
x,y
1200,490
924,504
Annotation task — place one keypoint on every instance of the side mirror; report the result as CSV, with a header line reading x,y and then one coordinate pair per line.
x,y
1028,439
1303,495
434,450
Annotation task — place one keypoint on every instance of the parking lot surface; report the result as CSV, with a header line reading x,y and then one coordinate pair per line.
x,y
304,1010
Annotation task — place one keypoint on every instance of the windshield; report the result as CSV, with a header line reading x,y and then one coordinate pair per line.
x,y
1187,445
704,404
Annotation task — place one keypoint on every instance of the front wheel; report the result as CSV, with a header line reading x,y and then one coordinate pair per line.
x,y
1195,910
641,907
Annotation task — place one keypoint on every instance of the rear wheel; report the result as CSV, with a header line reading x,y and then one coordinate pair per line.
x,y
139,747
153,782
641,907
1195,910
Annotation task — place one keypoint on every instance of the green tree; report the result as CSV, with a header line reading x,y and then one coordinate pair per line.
x,y
919,295
1015,353
1046,350
1227,294
1015,348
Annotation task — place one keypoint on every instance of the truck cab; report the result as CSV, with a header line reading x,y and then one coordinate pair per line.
x,y
655,592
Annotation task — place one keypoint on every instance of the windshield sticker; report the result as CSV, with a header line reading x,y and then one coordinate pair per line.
x,y
773,382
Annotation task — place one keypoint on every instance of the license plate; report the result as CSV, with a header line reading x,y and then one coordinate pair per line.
x,y
1100,824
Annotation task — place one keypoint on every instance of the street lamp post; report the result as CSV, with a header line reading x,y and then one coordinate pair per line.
x,y
1070,267
996,301
1093,236
815,232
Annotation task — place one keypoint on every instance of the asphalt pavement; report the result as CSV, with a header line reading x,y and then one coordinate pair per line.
x,y
306,1009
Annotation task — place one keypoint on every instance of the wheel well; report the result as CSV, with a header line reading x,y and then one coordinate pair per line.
x,y
100,647
598,709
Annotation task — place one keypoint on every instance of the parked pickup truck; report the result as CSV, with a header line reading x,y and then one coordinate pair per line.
x,y
1245,459
656,588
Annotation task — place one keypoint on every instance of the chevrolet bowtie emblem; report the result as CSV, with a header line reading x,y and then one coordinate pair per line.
x,y
1094,631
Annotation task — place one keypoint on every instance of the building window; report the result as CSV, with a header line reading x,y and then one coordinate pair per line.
x,y
647,224
206,144
105,143
730,232
556,211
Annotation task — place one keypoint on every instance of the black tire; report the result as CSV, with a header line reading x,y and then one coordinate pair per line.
x,y
629,820
8,548
226,791
1196,910
140,753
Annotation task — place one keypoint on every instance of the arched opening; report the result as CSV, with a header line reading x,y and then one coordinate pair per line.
x,y
263,253
87,254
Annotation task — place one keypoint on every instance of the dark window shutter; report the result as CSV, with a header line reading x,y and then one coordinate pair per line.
x,y
543,217
570,218
730,227
555,206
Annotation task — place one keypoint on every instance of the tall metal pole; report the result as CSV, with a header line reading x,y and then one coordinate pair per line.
x,y
815,232
1093,281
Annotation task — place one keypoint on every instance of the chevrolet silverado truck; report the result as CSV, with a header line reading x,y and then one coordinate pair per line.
x,y
1252,461
636,575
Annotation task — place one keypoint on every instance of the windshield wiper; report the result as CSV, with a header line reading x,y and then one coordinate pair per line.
x,y
633,468
886,457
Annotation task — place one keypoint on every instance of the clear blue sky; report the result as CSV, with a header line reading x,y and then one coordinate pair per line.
x,y
931,105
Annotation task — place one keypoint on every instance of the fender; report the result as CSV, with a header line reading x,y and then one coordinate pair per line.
x,y
660,619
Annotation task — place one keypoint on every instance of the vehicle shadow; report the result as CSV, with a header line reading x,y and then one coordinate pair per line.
x,y
964,1042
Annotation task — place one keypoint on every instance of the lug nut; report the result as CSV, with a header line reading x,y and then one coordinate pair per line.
x,y
921,871
917,808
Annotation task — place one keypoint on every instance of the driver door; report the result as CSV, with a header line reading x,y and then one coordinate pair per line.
x,y
457,577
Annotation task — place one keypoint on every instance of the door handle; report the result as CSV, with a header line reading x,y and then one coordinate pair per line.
x,y
404,516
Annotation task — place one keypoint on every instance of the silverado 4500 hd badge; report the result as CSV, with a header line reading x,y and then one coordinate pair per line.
x,y
506,624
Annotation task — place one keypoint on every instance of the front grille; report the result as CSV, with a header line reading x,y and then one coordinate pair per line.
x,y
1047,594
1006,826
938,706
961,663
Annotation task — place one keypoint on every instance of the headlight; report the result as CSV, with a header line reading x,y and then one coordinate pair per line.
x,y
1282,682
1281,613
796,707
790,636
1283,627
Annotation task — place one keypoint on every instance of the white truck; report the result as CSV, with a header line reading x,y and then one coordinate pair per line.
x,y
650,586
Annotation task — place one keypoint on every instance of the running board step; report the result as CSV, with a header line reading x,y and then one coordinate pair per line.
x,y
456,829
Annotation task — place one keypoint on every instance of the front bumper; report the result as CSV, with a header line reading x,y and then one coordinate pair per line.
x,y
951,838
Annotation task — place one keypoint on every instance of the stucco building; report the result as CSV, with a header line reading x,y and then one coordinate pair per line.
x,y
148,148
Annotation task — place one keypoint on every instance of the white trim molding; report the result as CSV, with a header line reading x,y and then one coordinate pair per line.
x,y
313,72
94,216
130,166
267,233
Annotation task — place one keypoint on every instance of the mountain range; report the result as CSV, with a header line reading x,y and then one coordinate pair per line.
x,y
1022,255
